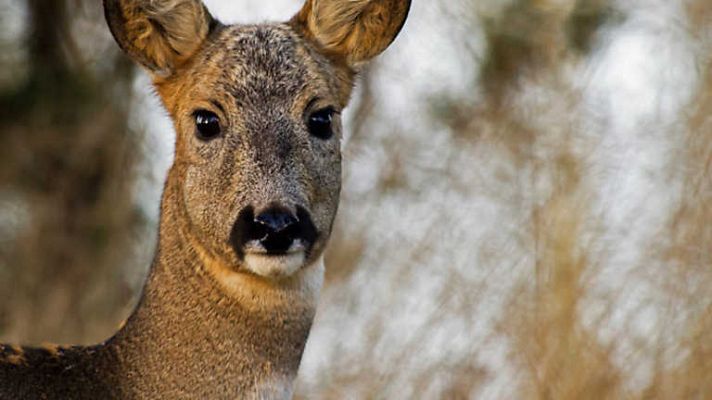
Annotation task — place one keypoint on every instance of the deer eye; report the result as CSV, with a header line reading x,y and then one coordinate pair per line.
x,y
320,122
207,125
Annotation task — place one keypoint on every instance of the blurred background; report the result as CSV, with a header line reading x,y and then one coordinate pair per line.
x,y
526,213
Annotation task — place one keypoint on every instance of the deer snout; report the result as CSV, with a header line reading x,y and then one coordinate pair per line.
x,y
274,241
276,219
277,230
274,230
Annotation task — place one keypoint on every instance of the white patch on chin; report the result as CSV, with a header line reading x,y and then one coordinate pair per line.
x,y
275,266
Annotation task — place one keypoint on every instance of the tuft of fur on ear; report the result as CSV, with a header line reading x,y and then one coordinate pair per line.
x,y
159,34
356,30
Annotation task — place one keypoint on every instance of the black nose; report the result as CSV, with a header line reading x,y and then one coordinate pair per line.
x,y
274,229
276,220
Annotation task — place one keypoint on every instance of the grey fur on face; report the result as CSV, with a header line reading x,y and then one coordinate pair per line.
x,y
262,89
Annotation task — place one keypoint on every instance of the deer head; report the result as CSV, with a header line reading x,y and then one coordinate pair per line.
x,y
256,110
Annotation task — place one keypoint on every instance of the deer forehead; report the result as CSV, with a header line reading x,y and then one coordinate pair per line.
x,y
257,68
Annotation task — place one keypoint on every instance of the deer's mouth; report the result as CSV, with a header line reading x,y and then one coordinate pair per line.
x,y
274,242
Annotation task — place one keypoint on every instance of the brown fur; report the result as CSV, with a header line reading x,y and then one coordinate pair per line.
x,y
357,30
160,35
207,326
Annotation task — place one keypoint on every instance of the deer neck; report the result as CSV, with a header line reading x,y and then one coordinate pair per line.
x,y
204,330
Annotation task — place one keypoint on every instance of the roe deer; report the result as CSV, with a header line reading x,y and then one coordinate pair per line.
x,y
247,207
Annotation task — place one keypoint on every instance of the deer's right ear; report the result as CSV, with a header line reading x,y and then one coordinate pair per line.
x,y
159,34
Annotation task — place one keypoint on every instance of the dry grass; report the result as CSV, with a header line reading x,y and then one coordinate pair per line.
x,y
560,356
689,255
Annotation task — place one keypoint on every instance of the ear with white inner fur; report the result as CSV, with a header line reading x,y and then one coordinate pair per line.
x,y
159,34
356,30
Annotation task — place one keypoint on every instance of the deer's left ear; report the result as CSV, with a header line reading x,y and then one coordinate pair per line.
x,y
356,30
